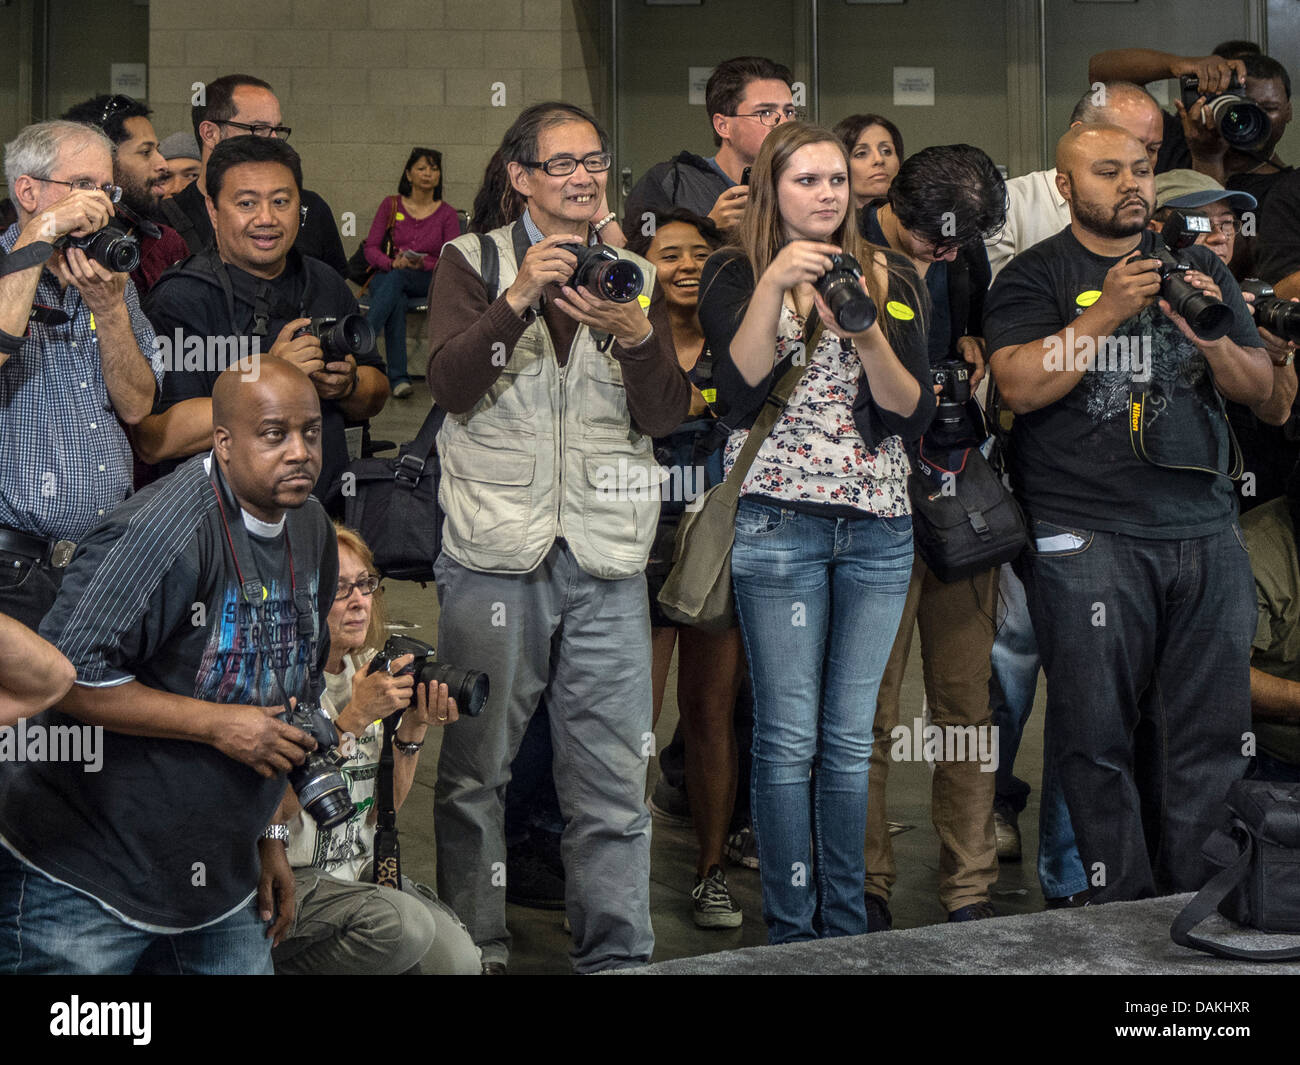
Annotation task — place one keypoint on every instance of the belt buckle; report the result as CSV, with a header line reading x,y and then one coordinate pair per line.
x,y
61,553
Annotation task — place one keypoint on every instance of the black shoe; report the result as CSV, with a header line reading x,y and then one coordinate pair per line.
x,y
529,881
1070,902
976,911
494,968
670,804
879,919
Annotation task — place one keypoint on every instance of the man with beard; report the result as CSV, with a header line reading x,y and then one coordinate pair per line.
x,y
1138,583
142,172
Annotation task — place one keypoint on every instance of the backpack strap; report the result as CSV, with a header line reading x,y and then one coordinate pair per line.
x,y
181,222
489,265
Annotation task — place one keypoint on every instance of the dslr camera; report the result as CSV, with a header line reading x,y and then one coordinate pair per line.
x,y
468,687
341,337
604,273
1240,121
841,288
952,424
1210,318
318,782
116,247
1280,317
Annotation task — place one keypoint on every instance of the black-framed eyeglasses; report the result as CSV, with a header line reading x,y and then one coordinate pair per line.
x,y
1229,227
113,105
258,129
563,165
365,585
113,192
771,118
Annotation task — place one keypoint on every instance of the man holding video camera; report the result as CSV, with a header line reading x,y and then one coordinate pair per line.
x,y
1137,579
75,353
552,388
192,614
255,291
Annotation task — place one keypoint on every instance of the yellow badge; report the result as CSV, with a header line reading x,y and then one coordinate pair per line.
x,y
710,394
1087,299
399,217
901,311
643,301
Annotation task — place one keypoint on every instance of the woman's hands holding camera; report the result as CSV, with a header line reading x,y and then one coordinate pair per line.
x,y
800,262
376,696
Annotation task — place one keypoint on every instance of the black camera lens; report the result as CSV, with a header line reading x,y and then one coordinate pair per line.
x,y
841,287
1210,318
111,248
602,271
323,792
468,687
1241,122
1279,317
349,335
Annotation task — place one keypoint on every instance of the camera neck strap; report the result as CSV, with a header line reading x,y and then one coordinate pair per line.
x,y
1139,404
35,254
388,856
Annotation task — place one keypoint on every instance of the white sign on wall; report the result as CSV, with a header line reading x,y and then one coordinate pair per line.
x,y
697,79
129,79
913,86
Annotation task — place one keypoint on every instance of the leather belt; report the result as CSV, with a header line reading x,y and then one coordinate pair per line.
x,y
53,553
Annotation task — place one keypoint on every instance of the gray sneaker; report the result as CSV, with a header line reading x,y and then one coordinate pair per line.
x,y
741,848
1007,834
714,906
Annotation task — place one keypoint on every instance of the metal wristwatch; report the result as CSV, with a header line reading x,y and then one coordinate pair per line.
x,y
280,832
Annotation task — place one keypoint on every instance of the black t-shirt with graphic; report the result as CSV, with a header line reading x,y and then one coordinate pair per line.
x,y
1072,462
165,833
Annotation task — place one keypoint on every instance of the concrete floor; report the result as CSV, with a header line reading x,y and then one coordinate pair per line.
x,y
540,943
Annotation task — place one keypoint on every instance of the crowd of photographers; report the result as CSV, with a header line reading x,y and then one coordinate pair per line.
x,y
807,314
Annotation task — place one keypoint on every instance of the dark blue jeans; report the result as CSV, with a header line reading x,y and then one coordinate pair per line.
x,y
388,295
819,601
1146,647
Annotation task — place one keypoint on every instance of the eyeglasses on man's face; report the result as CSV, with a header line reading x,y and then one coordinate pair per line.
x,y
113,192
770,117
564,165
365,585
258,129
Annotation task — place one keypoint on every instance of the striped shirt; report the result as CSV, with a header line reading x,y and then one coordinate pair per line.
x,y
65,461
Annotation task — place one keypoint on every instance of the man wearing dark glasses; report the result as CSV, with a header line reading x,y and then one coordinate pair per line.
x,y
239,105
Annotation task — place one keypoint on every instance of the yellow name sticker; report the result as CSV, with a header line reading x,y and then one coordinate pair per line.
x,y
1087,299
710,394
901,311
643,301
399,217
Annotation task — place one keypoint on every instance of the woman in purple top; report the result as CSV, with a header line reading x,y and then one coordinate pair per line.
x,y
421,224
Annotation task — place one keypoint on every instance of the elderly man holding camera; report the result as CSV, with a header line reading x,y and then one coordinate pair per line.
x,y
549,386
75,354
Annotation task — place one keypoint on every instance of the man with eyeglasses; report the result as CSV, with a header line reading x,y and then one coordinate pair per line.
x,y
192,614
746,98
552,392
141,171
239,105
75,363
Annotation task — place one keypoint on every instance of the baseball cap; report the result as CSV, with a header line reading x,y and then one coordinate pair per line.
x,y
1192,189
180,145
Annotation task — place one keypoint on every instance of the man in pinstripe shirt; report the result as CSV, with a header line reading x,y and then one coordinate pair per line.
x,y
76,360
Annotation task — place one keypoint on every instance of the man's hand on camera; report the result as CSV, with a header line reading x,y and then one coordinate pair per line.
x,y
100,288
336,380
1205,284
545,262
78,214
1213,73
1130,285
304,351
1203,138
625,321
973,351
275,889
729,207
255,736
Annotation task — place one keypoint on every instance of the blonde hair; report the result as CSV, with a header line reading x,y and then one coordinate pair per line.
x,y
377,631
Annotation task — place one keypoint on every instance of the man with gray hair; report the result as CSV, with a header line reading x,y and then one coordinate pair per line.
x,y
75,353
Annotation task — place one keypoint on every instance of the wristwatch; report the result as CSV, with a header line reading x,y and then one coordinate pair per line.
x,y
405,747
1290,358
280,832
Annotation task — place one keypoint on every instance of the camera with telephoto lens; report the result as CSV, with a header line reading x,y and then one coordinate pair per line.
x,y
951,423
113,247
468,687
841,288
340,337
1280,317
1209,317
604,273
1240,121
319,783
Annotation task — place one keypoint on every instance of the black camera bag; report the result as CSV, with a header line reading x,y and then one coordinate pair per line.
x,y
1259,884
964,521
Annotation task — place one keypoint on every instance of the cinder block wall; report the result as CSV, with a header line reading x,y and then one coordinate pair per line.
x,y
362,81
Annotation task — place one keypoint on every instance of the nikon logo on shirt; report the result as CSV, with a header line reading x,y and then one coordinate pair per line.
x,y
1127,354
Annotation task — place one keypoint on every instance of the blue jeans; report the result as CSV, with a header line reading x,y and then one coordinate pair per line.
x,y
48,928
1146,647
388,295
1011,693
819,601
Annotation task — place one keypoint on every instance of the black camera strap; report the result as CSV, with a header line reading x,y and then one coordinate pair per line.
x,y
1137,408
34,254
388,854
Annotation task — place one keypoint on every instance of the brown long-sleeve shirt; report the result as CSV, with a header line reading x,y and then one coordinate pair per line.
x,y
463,328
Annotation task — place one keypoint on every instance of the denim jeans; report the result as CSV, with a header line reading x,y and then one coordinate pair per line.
x,y
48,928
531,801
1146,647
1011,695
388,295
819,600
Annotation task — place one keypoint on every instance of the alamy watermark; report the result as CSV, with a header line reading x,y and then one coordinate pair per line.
x,y
1127,354
919,742
24,742
194,353
638,481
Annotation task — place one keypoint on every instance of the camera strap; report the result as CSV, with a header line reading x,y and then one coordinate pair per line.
x,y
35,254
388,854
1137,409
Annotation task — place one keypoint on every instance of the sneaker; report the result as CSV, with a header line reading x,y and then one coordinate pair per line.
x,y
879,919
741,848
529,881
1070,902
1007,833
976,911
714,906
670,804
402,389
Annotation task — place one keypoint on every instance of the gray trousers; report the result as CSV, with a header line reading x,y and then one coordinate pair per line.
x,y
354,928
584,644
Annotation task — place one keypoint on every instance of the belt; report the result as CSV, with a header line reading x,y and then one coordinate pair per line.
x,y
53,553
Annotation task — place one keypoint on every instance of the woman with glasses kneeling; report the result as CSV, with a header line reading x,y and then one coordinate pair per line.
x,y
343,924
823,545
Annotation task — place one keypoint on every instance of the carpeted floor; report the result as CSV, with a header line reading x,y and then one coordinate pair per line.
x,y
1122,937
